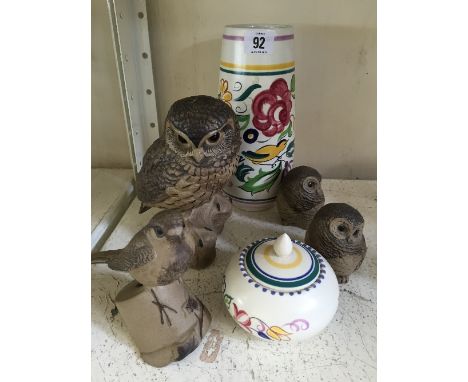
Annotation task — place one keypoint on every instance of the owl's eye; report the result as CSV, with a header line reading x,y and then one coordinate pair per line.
x,y
341,228
214,138
182,139
309,184
159,231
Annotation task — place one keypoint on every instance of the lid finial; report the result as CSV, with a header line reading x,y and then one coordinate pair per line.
x,y
283,246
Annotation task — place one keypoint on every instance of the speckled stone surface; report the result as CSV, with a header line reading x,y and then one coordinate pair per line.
x,y
344,351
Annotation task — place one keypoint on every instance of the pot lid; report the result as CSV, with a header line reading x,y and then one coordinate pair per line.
x,y
282,264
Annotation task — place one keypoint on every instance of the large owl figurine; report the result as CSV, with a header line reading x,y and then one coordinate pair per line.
x,y
336,233
194,158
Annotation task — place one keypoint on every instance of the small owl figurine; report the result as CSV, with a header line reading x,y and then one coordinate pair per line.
x,y
300,196
194,159
157,255
336,232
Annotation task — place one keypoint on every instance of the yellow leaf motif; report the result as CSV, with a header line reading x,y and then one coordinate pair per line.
x,y
272,334
276,332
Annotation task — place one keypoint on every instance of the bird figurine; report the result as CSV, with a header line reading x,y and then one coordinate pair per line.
x,y
300,196
206,222
158,254
164,319
194,158
266,153
336,232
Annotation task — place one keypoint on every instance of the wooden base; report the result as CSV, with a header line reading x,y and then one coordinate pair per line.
x,y
166,322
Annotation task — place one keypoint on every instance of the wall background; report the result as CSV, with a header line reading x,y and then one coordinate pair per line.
x,y
335,43
109,145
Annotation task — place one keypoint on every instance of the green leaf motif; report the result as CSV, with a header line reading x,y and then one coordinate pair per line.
x,y
243,121
247,92
227,300
242,171
288,131
293,83
290,149
264,180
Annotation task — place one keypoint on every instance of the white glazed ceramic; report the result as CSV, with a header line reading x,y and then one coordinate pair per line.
x,y
281,290
259,85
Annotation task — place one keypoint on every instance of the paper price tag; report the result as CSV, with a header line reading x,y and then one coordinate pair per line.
x,y
259,41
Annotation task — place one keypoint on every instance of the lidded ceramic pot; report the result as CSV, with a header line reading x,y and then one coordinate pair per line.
x,y
281,289
257,80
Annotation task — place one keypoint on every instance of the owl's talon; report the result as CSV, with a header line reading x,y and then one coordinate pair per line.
x,y
342,279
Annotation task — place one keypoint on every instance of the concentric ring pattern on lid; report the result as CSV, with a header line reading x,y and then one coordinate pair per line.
x,y
292,271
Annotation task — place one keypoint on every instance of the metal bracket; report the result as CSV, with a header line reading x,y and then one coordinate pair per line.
x,y
133,57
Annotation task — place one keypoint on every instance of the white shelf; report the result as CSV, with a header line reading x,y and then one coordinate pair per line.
x,y
345,351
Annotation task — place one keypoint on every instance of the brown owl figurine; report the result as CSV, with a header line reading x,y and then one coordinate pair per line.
x,y
336,232
194,158
300,196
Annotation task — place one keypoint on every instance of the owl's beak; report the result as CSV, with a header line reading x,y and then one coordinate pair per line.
x,y
197,155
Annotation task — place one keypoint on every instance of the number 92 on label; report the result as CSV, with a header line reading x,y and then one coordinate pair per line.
x,y
259,41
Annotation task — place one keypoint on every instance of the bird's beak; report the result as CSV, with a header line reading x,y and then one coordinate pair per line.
x,y
175,232
198,155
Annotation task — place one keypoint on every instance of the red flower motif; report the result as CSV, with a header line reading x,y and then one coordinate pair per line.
x,y
242,317
272,108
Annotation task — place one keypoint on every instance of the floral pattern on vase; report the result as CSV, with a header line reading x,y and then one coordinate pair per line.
x,y
272,108
267,130
224,94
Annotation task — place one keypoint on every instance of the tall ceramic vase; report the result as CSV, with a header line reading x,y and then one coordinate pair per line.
x,y
257,80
